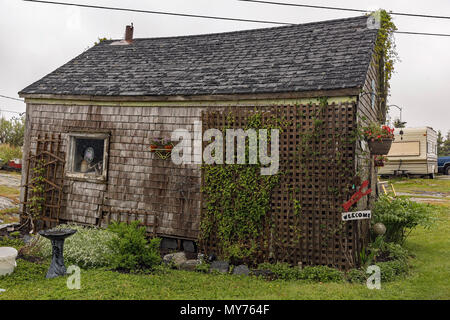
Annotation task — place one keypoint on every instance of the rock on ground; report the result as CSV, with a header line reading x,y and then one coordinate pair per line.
x,y
189,265
176,258
241,270
221,266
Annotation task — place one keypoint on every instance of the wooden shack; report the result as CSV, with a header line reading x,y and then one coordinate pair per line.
x,y
109,103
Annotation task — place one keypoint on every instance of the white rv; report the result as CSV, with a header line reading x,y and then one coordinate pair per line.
x,y
412,153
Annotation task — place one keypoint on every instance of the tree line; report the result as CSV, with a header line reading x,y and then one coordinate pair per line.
x,y
443,144
12,131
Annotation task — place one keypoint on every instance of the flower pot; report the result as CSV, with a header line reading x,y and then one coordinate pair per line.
x,y
378,147
379,163
168,147
153,147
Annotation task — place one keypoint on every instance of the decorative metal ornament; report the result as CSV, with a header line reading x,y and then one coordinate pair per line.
x,y
379,228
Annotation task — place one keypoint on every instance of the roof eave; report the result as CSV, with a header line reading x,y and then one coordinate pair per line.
x,y
344,92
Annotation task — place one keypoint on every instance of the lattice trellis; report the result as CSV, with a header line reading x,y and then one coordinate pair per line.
x,y
318,175
50,156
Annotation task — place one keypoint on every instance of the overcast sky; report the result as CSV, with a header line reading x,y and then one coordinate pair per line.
x,y
37,38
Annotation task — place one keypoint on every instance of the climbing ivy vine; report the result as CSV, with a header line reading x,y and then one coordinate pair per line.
x,y
238,198
36,202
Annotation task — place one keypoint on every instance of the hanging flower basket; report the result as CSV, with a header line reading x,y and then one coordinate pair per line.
x,y
380,147
379,138
161,148
379,161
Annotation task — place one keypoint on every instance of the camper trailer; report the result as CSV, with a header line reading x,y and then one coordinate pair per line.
x,y
413,152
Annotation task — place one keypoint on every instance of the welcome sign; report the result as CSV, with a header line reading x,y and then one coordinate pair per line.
x,y
357,215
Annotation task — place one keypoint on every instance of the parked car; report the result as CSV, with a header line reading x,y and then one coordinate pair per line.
x,y
11,165
444,165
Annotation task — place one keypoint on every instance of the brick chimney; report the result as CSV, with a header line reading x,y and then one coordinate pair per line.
x,y
129,33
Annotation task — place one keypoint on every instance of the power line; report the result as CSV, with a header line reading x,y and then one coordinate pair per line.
x,y
344,9
11,98
1,110
211,17
159,12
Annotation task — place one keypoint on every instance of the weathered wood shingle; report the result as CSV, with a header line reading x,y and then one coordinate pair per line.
x,y
324,55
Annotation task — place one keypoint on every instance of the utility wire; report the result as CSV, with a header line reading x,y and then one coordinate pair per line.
x,y
1,110
11,98
210,17
344,9
159,12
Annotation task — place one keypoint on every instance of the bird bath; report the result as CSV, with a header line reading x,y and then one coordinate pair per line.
x,y
57,237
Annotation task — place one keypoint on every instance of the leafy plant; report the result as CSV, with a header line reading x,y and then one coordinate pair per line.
x,y
37,199
311,273
87,248
321,274
130,250
390,270
401,216
8,242
374,132
281,270
9,152
237,199
386,49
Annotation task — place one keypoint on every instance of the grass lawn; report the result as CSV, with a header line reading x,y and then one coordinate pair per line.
x,y
408,185
428,280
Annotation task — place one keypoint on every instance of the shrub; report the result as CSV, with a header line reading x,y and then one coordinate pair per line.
x,y
130,249
400,216
356,276
8,242
390,270
202,267
8,152
316,273
281,270
87,248
322,274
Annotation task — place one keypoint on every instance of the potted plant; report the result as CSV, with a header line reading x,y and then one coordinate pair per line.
x,y
161,148
379,161
379,138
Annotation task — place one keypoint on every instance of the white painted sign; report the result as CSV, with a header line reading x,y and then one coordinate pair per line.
x,y
357,215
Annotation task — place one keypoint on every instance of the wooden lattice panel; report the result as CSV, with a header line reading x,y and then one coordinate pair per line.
x,y
49,155
316,172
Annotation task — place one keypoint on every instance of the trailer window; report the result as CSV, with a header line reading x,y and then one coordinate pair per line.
x,y
403,148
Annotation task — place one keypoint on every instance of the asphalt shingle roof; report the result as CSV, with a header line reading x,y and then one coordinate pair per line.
x,y
324,55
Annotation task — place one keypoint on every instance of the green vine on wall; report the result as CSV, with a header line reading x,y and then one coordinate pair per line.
x,y
37,200
237,199
385,46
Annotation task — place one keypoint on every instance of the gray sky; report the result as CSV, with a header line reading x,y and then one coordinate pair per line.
x,y
38,38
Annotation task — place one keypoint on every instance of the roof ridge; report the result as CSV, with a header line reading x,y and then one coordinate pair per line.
x,y
243,31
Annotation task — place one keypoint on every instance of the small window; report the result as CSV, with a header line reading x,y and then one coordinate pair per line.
x,y
87,155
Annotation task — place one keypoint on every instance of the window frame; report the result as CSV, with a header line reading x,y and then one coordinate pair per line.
x,y
71,138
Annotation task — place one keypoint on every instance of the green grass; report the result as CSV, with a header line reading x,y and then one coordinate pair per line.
x,y
407,185
9,192
6,215
428,280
